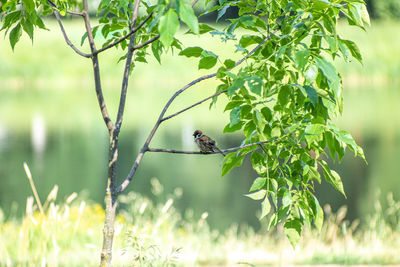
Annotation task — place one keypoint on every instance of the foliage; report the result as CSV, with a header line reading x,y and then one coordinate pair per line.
x,y
387,9
284,98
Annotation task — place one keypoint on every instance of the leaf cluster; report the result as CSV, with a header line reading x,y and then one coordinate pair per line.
x,y
287,95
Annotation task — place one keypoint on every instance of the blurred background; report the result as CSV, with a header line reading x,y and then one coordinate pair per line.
x,y
49,118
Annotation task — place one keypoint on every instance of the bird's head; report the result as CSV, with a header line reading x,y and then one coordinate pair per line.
x,y
197,134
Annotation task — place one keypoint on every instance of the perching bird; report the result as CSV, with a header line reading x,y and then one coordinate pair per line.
x,y
205,143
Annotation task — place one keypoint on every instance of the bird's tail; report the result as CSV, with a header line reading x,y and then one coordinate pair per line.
x,y
219,150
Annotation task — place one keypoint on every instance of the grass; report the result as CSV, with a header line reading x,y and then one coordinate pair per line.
x,y
68,233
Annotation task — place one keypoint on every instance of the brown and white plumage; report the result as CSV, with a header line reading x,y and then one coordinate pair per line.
x,y
205,143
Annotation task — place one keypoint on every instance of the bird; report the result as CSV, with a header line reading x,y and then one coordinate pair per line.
x,y
205,143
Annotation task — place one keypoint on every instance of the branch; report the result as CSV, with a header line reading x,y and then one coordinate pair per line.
x,y
194,2
161,118
146,43
192,106
232,149
55,12
128,64
126,36
96,70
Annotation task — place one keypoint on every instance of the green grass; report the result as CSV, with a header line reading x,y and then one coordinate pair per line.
x,y
69,234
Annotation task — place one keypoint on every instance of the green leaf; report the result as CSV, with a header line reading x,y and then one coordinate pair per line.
x,y
204,28
355,52
28,27
191,52
249,128
168,27
364,13
229,63
234,128
312,94
346,137
265,208
84,36
247,40
301,58
331,75
258,120
258,162
313,132
186,14
235,116
333,178
319,214
287,198
258,195
15,34
284,95
156,48
222,11
311,73
239,82
208,60
255,84
258,183
29,6
10,19
267,113
231,160
233,104
292,229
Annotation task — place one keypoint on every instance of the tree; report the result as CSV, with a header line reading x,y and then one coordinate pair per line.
x,y
282,94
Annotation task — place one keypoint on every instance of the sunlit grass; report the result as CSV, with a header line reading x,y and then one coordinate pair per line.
x,y
69,234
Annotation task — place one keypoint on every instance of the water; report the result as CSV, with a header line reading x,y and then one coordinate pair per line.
x,y
70,149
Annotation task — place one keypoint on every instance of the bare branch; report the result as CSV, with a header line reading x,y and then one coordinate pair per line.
x,y
232,149
126,36
55,12
128,64
192,106
96,70
146,43
160,119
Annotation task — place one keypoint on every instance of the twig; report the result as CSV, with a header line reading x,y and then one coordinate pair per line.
x,y
126,36
194,2
146,43
232,149
96,70
192,106
127,69
255,48
55,12
145,146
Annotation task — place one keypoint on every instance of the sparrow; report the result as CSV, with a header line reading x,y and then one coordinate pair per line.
x,y
205,143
